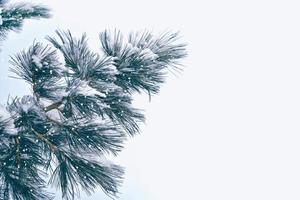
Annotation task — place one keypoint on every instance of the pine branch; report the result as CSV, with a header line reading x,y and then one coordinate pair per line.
x,y
142,60
39,66
81,108
91,84
20,177
89,138
74,170
13,15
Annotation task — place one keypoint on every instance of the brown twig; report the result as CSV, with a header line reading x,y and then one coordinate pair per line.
x,y
53,106
42,138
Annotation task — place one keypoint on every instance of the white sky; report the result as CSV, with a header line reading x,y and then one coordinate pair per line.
x,y
228,127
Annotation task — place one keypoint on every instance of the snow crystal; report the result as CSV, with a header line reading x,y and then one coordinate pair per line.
x,y
114,58
27,102
37,61
61,94
54,114
132,49
6,116
144,53
84,89
127,69
111,70
63,69
148,54
114,69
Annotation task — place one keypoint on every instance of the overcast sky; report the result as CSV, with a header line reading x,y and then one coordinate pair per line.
x,y
228,126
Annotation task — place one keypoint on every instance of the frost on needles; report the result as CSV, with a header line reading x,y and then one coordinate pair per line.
x,y
12,15
79,112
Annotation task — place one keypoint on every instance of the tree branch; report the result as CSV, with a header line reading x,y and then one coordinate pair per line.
x,y
53,147
53,106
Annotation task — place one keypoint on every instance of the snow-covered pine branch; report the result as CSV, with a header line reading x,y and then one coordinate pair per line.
x,y
143,59
7,121
81,107
13,15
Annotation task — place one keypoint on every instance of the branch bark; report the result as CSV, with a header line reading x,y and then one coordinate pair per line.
x,y
42,138
53,106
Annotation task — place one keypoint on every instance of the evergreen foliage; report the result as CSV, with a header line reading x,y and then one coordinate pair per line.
x,y
13,15
80,109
